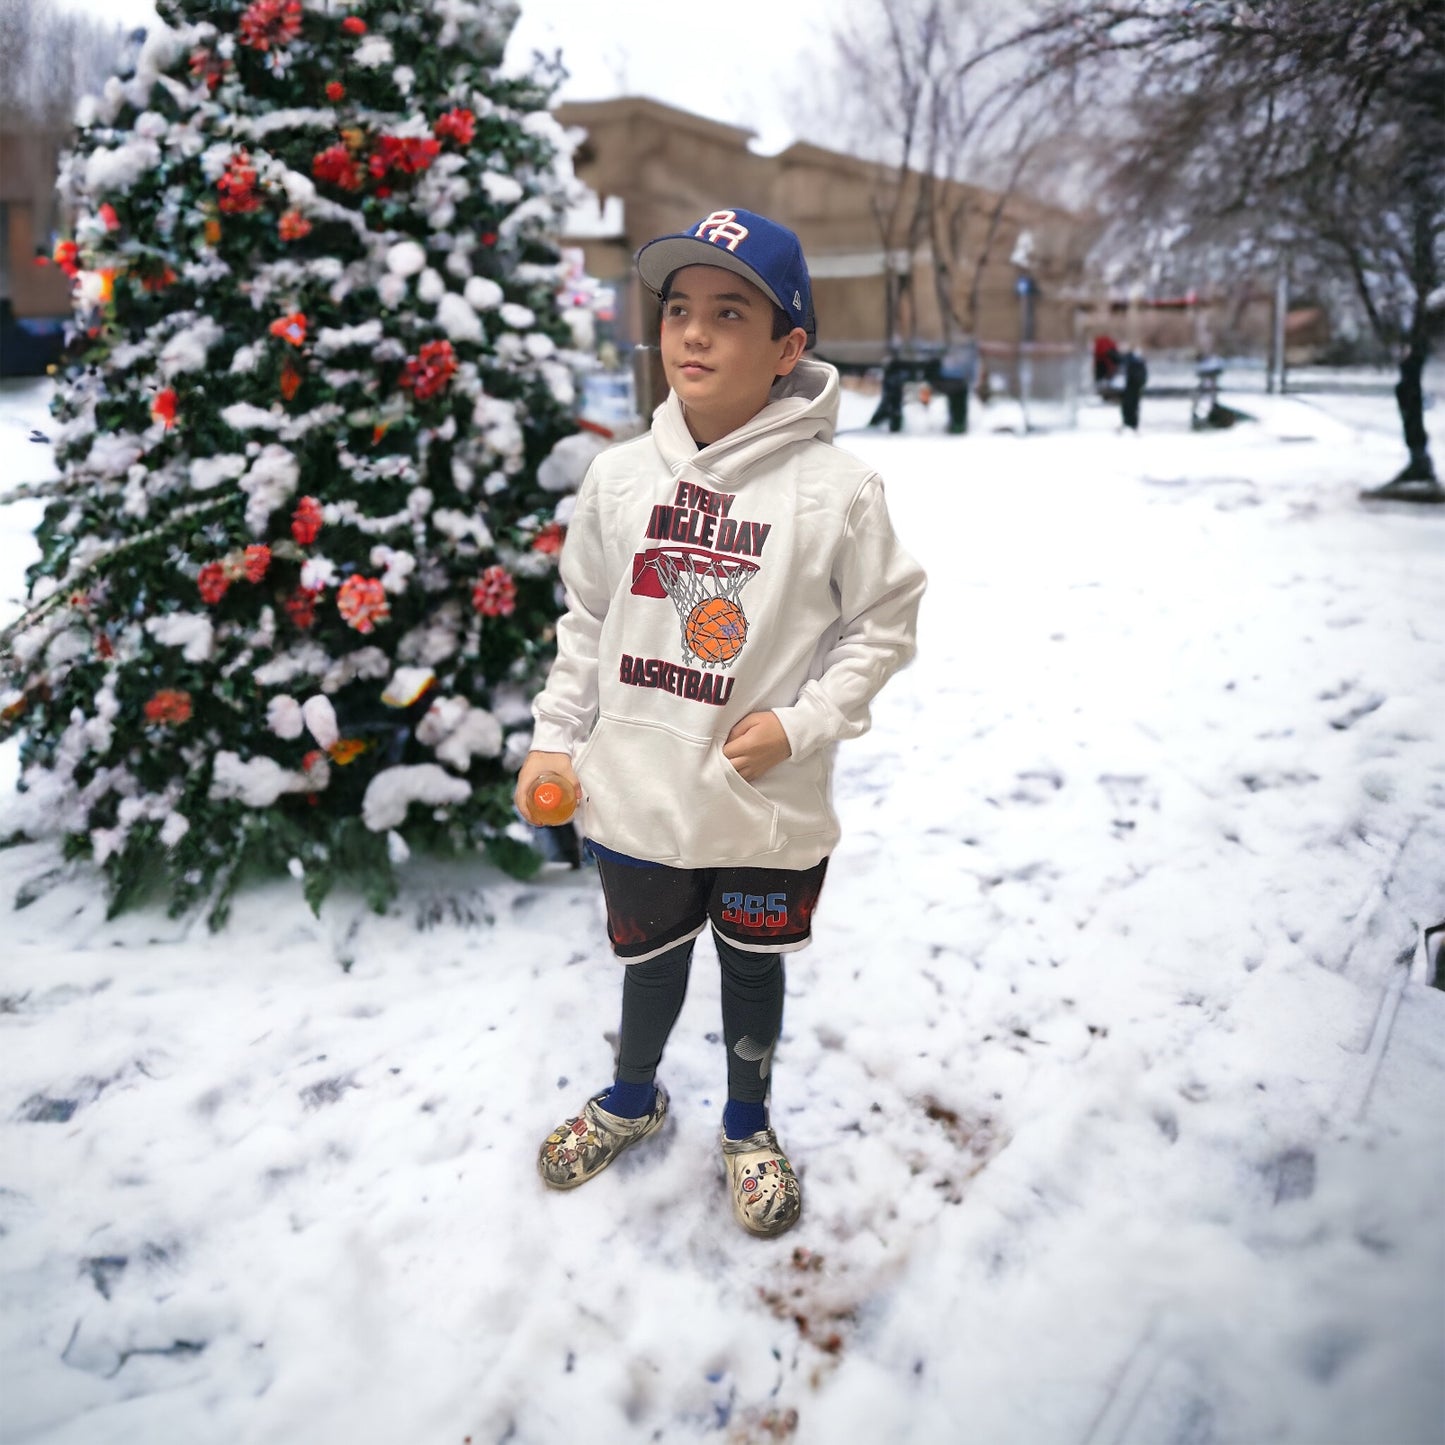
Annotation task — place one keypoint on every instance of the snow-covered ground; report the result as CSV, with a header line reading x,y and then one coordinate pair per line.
x,y
1112,1077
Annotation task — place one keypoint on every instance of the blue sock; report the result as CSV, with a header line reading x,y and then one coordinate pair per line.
x,y
629,1101
742,1119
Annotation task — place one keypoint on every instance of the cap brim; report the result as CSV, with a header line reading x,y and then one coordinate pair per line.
x,y
657,260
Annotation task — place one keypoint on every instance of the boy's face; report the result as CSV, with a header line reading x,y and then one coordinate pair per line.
x,y
718,351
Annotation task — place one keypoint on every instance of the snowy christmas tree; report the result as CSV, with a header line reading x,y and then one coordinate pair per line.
x,y
298,574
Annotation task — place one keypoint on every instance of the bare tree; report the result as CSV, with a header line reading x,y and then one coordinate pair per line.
x,y
888,58
1312,128
49,59
959,112
932,97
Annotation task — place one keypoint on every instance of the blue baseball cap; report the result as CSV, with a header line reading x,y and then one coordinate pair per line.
x,y
755,248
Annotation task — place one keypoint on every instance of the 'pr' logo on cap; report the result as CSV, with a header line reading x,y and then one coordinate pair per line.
x,y
722,229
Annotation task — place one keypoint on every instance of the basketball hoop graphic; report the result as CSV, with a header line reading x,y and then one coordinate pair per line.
x,y
705,589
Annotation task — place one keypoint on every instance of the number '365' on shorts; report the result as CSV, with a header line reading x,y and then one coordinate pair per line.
x,y
652,908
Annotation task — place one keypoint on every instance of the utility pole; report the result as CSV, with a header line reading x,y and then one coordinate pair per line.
x,y
1275,379
1026,289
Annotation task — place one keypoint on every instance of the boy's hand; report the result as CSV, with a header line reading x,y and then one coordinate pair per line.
x,y
756,744
535,765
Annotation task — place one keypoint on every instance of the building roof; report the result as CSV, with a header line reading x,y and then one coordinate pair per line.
x,y
625,107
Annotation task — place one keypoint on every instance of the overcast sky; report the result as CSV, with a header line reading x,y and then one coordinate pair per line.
x,y
742,66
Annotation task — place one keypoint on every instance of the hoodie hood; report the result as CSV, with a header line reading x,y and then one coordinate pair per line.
x,y
802,407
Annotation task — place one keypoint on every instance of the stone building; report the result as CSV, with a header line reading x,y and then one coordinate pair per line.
x,y
653,169
28,215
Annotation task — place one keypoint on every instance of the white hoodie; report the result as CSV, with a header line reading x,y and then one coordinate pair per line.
x,y
758,573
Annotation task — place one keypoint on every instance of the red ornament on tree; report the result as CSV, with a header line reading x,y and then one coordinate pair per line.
x,y
494,594
428,373
291,328
237,186
362,603
169,705
458,125
212,582
306,521
293,226
405,153
338,167
157,281
258,559
301,608
270,22
208,69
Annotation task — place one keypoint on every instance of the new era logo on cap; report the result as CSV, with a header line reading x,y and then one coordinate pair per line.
x,y
752,246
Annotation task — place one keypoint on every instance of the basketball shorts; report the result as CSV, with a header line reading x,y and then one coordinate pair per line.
x,y
652,908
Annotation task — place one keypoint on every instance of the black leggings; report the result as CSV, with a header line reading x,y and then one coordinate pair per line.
x,y
752,1013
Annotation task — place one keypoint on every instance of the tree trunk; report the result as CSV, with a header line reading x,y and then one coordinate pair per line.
x,y
1410,398
1417,481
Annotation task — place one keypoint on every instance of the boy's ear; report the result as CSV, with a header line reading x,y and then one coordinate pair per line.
x,y
795,343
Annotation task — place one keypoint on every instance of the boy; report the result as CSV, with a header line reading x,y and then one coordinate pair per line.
x,y
735,598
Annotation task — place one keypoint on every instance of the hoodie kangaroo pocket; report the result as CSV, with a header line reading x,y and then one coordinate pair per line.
x,y
670,798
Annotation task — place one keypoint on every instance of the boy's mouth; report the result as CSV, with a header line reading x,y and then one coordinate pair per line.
x,y
694,368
